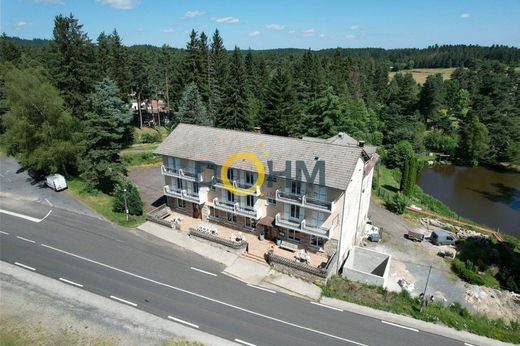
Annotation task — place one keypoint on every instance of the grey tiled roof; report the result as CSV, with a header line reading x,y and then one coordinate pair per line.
x,y
202,143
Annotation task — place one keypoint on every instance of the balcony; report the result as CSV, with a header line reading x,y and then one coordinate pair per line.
x,y
189,196
225,206
304,201
218,183
301,226
181,174
237,209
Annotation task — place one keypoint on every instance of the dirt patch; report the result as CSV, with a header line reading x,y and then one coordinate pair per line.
x,y
494,303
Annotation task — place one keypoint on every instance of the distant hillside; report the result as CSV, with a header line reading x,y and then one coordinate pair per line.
x,y
436,56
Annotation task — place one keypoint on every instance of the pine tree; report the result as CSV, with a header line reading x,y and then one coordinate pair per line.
x,y
38,130
279,116
191,108
218,75
474,141
192,62
432,98
325,115
132,197
104,136
72,63
203,81
119,64
235,114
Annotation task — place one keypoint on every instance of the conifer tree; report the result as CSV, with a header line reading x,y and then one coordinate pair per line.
x,y
218,73
279,116
72,63
104,136
324,115
191,108
234,111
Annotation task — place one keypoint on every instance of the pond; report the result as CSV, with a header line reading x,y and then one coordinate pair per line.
x,y
487,196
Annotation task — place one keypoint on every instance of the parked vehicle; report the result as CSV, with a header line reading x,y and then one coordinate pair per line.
x,y
56,182
417,234
442,237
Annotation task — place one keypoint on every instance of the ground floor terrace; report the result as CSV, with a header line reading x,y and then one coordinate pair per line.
x,y
262,236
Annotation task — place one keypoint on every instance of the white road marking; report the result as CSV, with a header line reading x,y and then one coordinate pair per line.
x,y
71,282
327,306
261,288
22,216
468,344
244,342
25,239
202,271
182,321
24,266
124,301
400,326
49,202
4,232
205,297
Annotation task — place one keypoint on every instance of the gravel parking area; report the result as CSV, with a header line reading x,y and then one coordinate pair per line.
x,y
16,183
411,260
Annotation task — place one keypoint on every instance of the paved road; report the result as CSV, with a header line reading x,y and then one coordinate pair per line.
x,y
169,281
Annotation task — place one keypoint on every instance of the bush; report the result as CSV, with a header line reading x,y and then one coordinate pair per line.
x,y
467,272
151,137
133,198
398,154
397,203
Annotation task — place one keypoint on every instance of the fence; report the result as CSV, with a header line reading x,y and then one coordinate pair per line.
x,y
216,239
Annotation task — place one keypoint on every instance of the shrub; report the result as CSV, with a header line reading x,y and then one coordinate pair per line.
x,y
151,137
467,272
397,203
399,153
133,198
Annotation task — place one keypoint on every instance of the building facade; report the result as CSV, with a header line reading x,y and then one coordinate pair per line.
x,y
314,193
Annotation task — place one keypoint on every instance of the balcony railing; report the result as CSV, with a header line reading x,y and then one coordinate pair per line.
x,y
182,174
236,208
218,183
301,226
189,196
304,201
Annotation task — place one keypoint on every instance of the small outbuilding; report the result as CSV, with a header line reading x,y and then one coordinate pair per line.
x,y
367,266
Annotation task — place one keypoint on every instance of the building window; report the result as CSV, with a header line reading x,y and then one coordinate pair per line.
x,y
317,242
181,203
271,178
179,183
196,187
293,235
250,223
250,178
295,212
250,201
296,187
230,196
231,174
231,218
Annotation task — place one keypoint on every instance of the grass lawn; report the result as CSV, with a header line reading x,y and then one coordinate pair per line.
x,y
140,159
455,315
420,74
101,203
140,148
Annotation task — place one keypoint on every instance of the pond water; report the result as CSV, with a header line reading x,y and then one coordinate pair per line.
x,y
487,196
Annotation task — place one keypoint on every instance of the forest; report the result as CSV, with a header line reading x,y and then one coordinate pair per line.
x,y
474,117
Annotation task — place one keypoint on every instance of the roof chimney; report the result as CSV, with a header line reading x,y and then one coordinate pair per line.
x,y
341,135
361,144
257,129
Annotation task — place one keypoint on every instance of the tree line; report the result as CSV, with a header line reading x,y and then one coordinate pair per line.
x,y
474,116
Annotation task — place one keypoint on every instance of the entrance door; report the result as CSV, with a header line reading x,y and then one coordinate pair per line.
x,y
196,212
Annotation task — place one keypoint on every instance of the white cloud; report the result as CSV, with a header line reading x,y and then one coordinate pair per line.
x,y
49,2
465,15
20,25
309,32
193,14
292,31
228,20
355,27
350,36
322,35
168,30
120,4
254,33
275,26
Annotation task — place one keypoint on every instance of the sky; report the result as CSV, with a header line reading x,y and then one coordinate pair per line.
x,y
268,24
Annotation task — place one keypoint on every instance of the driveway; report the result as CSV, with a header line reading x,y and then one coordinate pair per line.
x,y
16,183
411,261
150,182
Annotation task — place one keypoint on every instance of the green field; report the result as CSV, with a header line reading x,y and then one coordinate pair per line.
x,y
420,74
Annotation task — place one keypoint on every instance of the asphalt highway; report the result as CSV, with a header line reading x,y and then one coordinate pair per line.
x,y
139,270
